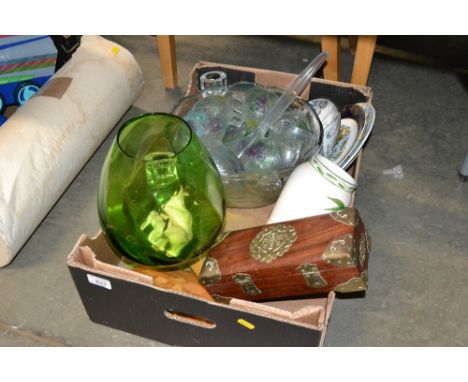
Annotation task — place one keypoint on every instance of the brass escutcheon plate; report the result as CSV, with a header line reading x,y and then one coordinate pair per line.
x,y
272,242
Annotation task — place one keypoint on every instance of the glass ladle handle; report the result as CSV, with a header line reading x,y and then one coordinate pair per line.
x,y
288,96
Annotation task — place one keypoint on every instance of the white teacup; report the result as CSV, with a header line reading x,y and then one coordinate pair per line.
x,y
315,187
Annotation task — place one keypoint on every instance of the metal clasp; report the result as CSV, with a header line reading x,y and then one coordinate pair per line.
x,y
312,275
245,282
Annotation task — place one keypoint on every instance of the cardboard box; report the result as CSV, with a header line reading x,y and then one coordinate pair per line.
x,y
128,301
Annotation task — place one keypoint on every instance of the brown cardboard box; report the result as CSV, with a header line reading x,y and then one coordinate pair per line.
x,y
127,300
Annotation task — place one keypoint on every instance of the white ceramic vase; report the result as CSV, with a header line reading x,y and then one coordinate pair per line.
x,y
315,187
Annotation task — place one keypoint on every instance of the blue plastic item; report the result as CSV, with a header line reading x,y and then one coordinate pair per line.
x,y
26,63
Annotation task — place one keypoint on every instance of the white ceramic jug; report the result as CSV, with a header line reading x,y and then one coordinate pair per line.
x,y
315,187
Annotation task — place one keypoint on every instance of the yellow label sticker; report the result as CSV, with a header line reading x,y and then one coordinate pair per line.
x,y
115,49
245,323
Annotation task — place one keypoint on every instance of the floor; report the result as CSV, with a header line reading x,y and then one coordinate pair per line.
x,y
418,267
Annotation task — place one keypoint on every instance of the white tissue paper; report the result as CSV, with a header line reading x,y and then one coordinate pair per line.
x,y
46,142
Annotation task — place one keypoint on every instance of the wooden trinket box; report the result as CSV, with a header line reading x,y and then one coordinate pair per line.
x,y
302,257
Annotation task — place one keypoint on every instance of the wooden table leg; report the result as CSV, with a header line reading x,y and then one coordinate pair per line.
x,y
167,57
363,59
331,70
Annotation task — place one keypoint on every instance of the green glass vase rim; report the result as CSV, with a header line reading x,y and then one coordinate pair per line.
x,y
131,120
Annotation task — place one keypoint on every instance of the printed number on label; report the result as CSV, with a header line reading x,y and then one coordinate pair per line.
x,y
99,281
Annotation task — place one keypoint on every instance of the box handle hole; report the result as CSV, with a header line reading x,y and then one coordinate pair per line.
x,y
190,319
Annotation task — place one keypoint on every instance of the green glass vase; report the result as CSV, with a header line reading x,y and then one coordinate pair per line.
x,y
160,199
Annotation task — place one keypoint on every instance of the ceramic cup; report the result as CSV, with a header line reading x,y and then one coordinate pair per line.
x,y
315,187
